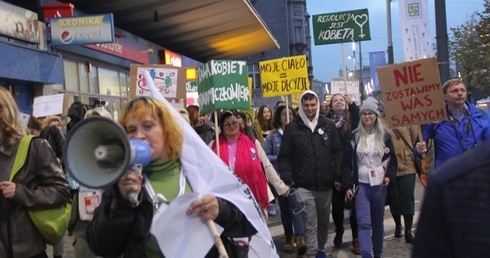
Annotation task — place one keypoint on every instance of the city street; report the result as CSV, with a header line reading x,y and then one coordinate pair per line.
x,y
393,247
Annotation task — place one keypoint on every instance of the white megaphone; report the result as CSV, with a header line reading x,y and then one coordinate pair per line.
x,y
97,152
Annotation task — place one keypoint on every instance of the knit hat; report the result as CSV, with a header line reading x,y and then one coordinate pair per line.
x,y
370,104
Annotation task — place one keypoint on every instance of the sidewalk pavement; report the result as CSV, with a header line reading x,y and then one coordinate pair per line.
x,y
393,247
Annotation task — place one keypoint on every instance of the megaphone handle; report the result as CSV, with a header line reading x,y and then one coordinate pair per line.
x,y
133,196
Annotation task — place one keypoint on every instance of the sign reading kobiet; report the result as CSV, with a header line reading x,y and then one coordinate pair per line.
x,y
223,84
284,76
412,93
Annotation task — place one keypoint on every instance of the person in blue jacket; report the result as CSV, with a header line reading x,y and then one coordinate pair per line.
x,y
466,126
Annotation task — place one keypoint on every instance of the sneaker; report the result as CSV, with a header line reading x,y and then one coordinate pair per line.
x,y
337,241
321,254
355,245
272,210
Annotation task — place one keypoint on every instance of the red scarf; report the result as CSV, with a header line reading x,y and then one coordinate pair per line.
x,y
247,166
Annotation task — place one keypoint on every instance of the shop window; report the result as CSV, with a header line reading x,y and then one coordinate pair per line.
x,y
93,81
83,70
71,75
124,82
109,82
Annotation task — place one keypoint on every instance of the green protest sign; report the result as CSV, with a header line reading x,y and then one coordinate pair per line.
x,y
348,26
223,84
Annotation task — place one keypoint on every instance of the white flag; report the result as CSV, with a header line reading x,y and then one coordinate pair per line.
x,y
208,174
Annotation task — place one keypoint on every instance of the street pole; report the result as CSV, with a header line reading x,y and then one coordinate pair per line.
x,y
442,39
354,57
361,84
390,40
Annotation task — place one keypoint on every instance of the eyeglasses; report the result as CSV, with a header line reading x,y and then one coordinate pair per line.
x,y
228,125
367,114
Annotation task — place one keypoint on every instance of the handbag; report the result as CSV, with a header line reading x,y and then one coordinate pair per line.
x,y
52,222
234,249
427,162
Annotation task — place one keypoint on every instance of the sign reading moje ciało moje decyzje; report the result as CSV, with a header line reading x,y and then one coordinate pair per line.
x,y
284,76
222,84
412,93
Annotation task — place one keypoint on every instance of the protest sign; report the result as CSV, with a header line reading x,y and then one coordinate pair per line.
x,y
223,84
170,81
284,76
346,87
191,93
339,27
50,105
412,93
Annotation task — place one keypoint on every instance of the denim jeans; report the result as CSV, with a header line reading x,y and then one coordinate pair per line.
x,y
292,223
370,207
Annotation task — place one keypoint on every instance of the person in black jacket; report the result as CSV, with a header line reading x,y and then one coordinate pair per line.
x,y
345,115
309,161
369,165
454,217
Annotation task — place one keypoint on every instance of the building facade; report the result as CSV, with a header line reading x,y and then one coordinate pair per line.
x,y
288,21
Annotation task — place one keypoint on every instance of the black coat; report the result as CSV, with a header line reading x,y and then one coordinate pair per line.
x,y
310,159
350,171
119,229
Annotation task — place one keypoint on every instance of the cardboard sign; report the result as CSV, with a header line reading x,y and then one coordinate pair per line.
x,y
50,105
412,93
284,76
169,80
191,93
223,84
348,26
346,87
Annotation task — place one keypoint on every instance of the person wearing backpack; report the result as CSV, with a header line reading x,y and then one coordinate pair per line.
x,y
37,185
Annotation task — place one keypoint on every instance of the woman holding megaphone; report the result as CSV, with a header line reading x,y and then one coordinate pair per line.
x,y
120,227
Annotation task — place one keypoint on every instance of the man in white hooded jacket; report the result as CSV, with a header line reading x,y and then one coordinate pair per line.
x,y
309,161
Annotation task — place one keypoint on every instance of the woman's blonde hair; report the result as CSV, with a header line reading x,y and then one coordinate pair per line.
x,y
172,130
98,111
11,124
379,135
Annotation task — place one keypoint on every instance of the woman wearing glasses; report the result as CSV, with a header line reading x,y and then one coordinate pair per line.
x,y
247,160
370,165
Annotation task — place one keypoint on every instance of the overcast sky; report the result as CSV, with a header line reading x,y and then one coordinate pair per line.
x,y
327,59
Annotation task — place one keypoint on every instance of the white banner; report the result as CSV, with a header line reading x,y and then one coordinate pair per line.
x,y
346,87
414,20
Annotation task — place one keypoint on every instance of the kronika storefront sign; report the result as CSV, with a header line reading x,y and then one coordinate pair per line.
x,y
82,30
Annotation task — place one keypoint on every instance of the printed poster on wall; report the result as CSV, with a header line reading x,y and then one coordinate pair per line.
x,y
223,84
412,93
169,80
284,76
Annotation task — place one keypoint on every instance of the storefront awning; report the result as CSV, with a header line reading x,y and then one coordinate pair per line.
x,y
200,29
